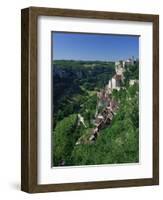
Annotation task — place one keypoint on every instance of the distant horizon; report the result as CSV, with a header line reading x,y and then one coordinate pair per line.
x,y
93,60
95,47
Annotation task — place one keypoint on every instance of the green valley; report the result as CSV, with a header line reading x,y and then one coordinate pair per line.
x,y
95,112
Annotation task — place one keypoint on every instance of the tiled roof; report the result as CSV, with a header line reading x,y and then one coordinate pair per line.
x,y
117,77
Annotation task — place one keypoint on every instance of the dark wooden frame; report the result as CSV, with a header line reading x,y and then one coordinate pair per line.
x,y
29,99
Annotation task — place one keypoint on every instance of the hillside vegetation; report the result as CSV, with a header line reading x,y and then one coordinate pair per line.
x,y
75,84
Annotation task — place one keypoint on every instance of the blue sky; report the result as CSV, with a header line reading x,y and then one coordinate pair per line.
x,y
78,46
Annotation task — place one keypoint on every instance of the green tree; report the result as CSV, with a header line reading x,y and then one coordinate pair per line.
x,y
64,139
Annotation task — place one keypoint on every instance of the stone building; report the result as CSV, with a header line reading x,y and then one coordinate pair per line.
x,y
133,81
115,83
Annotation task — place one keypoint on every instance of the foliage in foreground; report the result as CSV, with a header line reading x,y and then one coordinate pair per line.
x,y
118,143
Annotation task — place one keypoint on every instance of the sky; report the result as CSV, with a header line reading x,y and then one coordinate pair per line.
x,y
84,46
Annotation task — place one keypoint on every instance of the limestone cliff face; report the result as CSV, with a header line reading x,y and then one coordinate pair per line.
x,y
63,73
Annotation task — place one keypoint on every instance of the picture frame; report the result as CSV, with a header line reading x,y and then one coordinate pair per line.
x,y
29,99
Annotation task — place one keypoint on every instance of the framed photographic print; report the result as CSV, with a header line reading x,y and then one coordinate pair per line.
x,y
90,99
